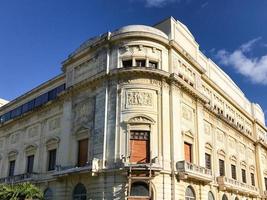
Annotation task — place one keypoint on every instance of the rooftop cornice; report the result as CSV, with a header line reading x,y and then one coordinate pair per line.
x,y
227,97
187,56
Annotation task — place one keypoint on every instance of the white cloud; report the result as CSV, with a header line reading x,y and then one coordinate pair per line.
x,y
158,3
254,68
204,5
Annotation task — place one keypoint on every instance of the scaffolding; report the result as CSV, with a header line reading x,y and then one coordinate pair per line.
x,y
137,169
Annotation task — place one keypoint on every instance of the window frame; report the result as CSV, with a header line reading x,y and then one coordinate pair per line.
x,y
51,165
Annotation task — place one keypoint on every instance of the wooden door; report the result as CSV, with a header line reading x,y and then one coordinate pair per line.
x,y
188,152
83,153
139,147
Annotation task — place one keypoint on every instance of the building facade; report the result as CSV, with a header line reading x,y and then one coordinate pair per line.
x,y
138,113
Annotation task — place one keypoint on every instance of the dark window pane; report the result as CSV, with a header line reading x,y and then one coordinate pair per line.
x,y
127,63
52,159
30,105
153,64
52,94
41,100
30,161
25,108
244,178
60,89
79,192
221,167
233,170
139,189
252,179
265,181
48,194
11,168
208,160
140,63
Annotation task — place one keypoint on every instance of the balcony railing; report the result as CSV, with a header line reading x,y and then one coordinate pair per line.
x,y
27,177
192,171
234,185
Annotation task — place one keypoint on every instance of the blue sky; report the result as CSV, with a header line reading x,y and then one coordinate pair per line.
x,y
37,35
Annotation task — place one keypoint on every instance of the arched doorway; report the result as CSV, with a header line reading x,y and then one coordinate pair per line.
x,y
48,194
210,196
224,197
79,192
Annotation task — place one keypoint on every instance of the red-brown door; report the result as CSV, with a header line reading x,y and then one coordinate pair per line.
x,y
83,153
139,147
188,152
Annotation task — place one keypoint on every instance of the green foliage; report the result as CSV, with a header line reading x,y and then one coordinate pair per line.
x,y
20,191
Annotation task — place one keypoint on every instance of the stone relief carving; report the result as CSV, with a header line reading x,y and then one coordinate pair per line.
x,y
220,136
140,119
33,131
84,113
136,98
207,128
186,114
232,143
54,124
14,138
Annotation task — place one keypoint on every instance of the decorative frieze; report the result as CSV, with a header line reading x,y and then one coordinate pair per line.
x,y
138,98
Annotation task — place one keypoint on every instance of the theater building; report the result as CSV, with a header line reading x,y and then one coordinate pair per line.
x,y
137,113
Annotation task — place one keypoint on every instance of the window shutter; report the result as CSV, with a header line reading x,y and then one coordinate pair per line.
x,y
83,153
140,147
233,170
208,160
188,152
221,167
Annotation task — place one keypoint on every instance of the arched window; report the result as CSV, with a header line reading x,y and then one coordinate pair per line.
x,y
224,197
190,193
236,198
48,194
79,192
210,196
139,189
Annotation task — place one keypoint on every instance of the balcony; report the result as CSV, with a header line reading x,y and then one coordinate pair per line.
x,y
27,177
191,171
236,186
68,170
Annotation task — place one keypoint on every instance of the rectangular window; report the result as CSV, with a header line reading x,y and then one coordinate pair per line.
x,y
252,179
233,170
30,161
188,152
244,177
221,167
140,63
208,160
127,63
52,155
140,147
153,64
11,168
82,152
265,181
42,99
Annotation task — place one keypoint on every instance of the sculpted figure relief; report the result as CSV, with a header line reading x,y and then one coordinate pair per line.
x,y
139,99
